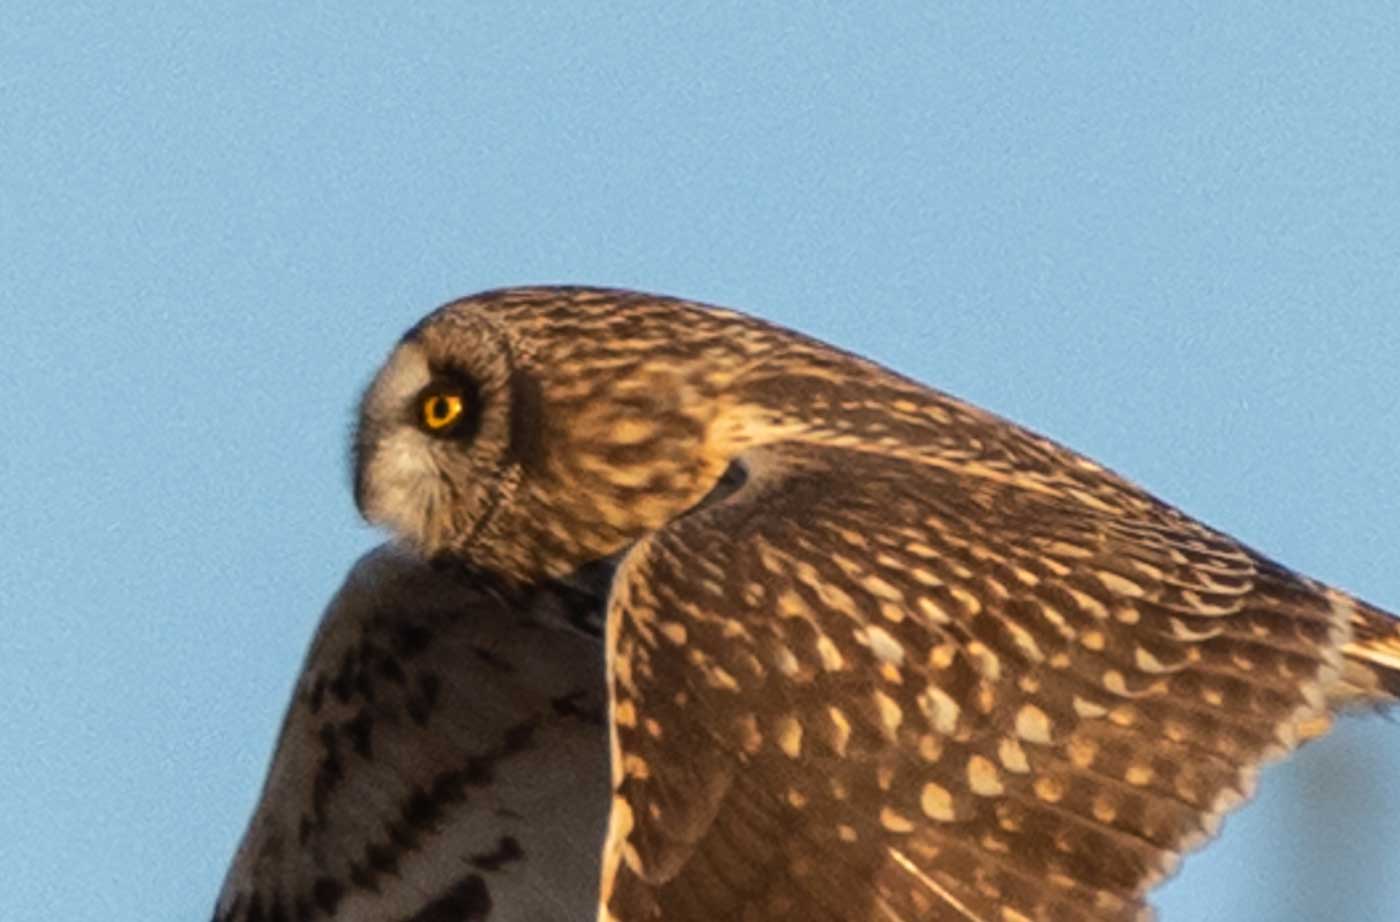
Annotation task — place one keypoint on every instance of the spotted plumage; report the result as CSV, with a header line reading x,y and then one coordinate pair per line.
x,y
873,653
443,758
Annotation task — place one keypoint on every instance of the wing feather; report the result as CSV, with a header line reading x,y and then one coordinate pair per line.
x,y
444,756
941,697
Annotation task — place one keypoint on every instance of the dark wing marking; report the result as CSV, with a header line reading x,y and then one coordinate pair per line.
x,y
444,757
867,688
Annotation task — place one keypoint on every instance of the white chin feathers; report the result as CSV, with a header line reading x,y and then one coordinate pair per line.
x,y
406,490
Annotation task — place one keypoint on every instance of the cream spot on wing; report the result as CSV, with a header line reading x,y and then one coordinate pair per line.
x,y
930,748
836,598
1082,752
932,610
1119,585
1049,789
789,736
1147,662
892,612
895,822
984,660
673,631
940,709
1083,707
921,550
1139,775
891,716
937,803
853,538
1089,605
1093,640
625,714
838,730
1105,810
1057,620
846,833
719,677
1025,576
1122,716
882,589
832,660
1012,756
943,655
996,587
1151,571
1065,549
884,646
983,777
925,577
1025,642
1033,725
786,662
969,602
791,605
733,629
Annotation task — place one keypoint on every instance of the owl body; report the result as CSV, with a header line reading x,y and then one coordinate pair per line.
x,y
872,653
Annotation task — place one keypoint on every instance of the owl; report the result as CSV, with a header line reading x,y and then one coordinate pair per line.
x,y
444,757
872,653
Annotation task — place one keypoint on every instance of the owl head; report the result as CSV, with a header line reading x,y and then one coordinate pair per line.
x,y
532,430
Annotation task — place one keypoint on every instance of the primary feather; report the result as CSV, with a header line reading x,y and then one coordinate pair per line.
x,y
443,757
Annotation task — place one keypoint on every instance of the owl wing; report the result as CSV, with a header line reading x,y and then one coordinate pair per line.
x,y
869,688
444,756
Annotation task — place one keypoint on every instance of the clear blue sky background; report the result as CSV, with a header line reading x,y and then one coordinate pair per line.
x,y
1167,234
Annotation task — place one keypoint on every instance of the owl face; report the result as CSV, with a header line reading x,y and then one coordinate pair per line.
x,y
431,448
532,431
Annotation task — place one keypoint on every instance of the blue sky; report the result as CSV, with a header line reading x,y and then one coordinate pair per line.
x,y
1166,234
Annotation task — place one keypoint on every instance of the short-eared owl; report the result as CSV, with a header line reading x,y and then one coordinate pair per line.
x,y
872,653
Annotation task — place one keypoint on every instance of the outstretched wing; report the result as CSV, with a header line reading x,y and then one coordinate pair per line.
x,y
863,687
444,756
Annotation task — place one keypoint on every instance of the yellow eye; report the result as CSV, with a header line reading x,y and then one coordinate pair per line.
x,y
440,410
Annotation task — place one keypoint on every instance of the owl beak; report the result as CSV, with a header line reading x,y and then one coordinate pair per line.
x,y
361,453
